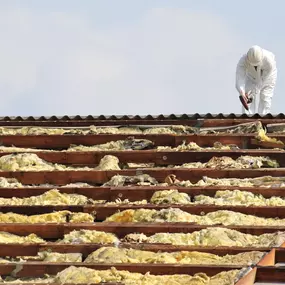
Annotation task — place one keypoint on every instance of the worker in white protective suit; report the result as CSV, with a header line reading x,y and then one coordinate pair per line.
x,y
256,75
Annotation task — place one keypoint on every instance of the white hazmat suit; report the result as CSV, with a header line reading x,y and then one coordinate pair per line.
x,y
256,73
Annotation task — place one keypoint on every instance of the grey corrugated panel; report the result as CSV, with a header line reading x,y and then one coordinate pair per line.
x,y
142,117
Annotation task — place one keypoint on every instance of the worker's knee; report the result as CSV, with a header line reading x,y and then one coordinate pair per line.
x,y
267,91
266,94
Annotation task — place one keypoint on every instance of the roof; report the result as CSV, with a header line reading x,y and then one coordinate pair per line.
x,y
30,179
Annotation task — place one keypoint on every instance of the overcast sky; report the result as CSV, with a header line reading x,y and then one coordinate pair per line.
x,y
80,57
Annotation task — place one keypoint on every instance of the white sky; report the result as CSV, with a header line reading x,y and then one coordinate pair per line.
x,y
65,57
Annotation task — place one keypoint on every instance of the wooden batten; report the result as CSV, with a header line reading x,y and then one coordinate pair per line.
x,y
103,211
100,177
87,248
96,193
92,158
136,193
56,231
122,229
39,269
64,141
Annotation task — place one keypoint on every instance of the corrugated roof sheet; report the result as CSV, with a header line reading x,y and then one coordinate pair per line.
x,y
142,117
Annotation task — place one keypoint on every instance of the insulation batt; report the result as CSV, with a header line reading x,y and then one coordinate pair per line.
x,y
221,198
86,275
245,128
263,181
51,197
81,218
14,149
262,137
54,197
171,180
147,180
252,127
123,145
214,236
109,162
74,237
46,256
193,146
89,236
175,215
76,185
56,217
239,198
10,183
120,145
115,130
11,238
124,255
31,162
59,257
121,202
142,180
225,162
130,144
138,144
176,129
14,183
80,275
46,280
170,197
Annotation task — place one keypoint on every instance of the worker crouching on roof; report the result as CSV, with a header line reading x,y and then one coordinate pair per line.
x,y
256,76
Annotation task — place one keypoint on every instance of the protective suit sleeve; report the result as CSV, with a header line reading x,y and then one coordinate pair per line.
x,y
240,75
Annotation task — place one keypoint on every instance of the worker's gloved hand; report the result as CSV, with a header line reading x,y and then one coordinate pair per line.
x,y
249,97
245,99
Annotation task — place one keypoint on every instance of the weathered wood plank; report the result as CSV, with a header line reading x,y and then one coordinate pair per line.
x,y
97,193
64,141
32,249
132,121
152,156
56,231
99,177
133,193
40,269
45,231
136,193
102,211
122,229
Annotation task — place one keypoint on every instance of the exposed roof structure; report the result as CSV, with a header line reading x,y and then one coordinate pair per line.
x,y
192,195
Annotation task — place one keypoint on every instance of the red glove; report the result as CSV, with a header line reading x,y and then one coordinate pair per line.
x,y
249,98
245,99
